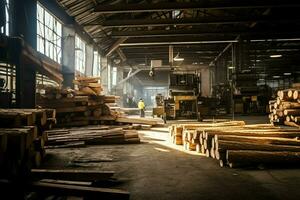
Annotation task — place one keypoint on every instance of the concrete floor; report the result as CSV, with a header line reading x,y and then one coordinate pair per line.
x,y
158,170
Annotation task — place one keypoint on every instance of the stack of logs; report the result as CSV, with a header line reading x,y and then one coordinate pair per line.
x,y
91,135
237,145
77,108
22,139
286,108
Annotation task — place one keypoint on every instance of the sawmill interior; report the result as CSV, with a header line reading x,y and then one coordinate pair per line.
x,y
149,99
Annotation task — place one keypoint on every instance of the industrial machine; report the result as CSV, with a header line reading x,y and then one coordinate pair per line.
x,y
159,110
5,95
184,91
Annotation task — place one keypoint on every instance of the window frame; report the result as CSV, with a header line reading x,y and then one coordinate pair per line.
x,y
80,55
114,76
6,29
96,64
49,34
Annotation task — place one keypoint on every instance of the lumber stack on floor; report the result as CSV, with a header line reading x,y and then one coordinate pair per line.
x,y
64,183
180,133
61,138
79,107
22,139
241,146
286,108
88,86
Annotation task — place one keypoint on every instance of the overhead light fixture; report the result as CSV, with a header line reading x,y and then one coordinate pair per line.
x,y
276,76
261,79
142,64
231,67
276,56
177,58
287,73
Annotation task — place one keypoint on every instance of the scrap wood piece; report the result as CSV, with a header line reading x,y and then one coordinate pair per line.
x,y
72,175
82,191
146,121
81,183
71,110
68,145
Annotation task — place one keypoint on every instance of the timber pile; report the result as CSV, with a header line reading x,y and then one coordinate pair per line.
x,y
94,135
285,110
62,183
240,145
88,86
80,108
22,139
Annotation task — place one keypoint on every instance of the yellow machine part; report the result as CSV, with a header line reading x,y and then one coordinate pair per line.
x,y
185,98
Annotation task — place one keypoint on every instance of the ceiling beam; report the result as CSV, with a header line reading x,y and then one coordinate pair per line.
x,y
199,32
193,21
177,40
115,46
167,6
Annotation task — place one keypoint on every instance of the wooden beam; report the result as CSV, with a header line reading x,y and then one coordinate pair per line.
x,y
192,21
71,175
81,191
116,45
203,32
121,54
167,6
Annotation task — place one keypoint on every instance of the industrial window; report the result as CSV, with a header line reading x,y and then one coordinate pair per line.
x,y
5,29
109,77
79,55
49,33
114,76
96,64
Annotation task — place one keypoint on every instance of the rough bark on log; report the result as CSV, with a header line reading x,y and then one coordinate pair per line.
x,y
245,158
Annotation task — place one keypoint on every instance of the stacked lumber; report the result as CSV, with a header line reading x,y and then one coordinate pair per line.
x,y
180,133
88,86
286,108
95,135
22,139
242,146
80,108
62,183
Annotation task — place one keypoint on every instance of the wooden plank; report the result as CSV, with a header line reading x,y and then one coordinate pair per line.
x,y
146,121
72,109
73,123
82,191
72,175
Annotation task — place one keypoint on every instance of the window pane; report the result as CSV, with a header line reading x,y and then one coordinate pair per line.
x,y
79,55
49,33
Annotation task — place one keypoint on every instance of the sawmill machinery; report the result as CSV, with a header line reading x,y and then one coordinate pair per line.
x,y
184,92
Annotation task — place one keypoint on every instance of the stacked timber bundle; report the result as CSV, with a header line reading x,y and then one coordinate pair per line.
x,y
88,86
80,108
286,108
67,106
52,92
22,139
245,146
184,134
95,135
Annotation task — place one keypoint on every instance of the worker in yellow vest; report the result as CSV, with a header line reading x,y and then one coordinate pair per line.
x,y
141,106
